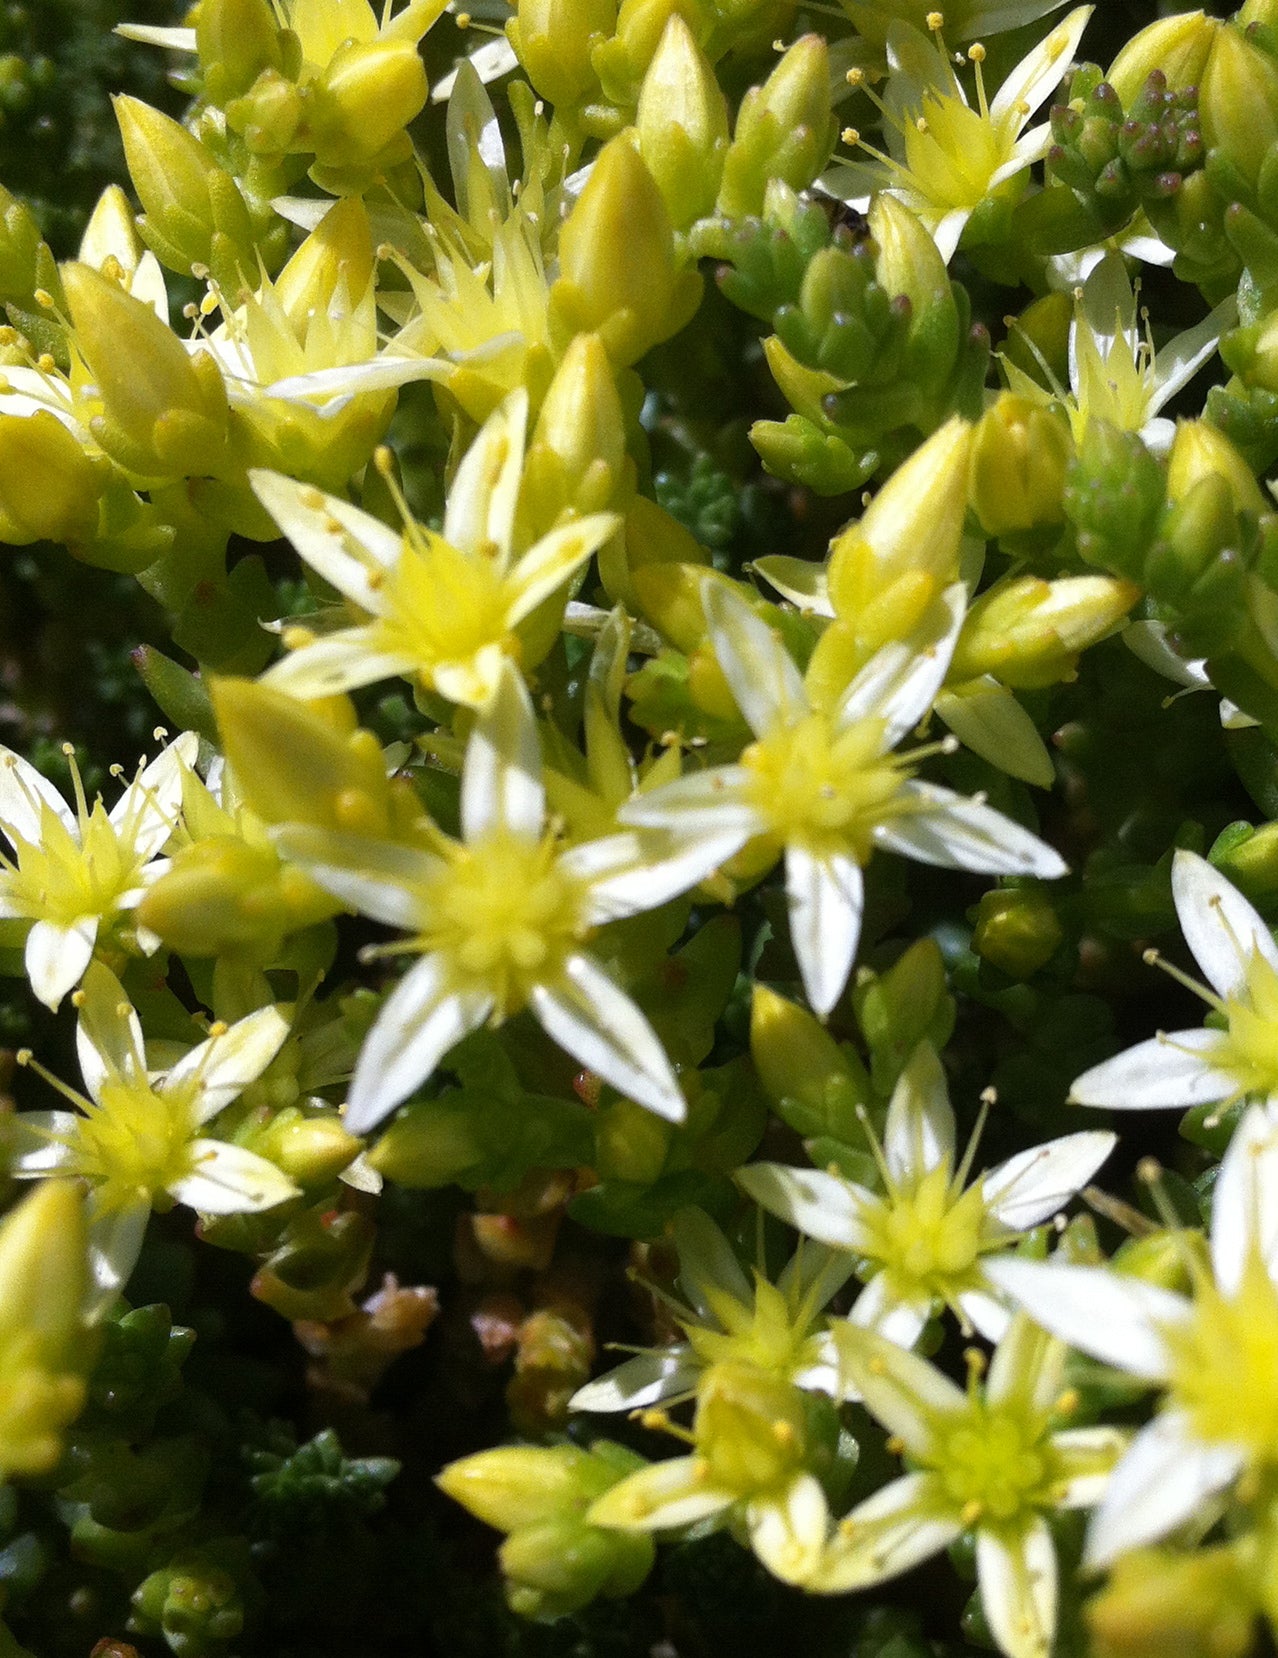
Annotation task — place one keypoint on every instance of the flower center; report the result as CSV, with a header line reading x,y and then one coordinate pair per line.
x,y
442,606
820,787
952,151
135,1143
62,880
1225,1364
928,1240
750,1427
1252,1045
505,915
992,1464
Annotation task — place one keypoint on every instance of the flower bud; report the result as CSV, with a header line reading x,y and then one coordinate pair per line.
x,y
1238,103
1179,46
164,412
43,1281
311,1150
576,460
1017,930
682,122
1197,1605
338,254
365,98
1200,450
618,276
814,1084
903,1007
1020,451
269,115
194,212
223,895
785,130
553,40
431,1143
909,263
235,40
1029,632
49,488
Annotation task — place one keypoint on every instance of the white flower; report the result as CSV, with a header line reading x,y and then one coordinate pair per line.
x,y
73,872
924,1240
982,1462
1114,372
136,1137
500,920
828,789
442,609
945,158
1236,952
1215,1353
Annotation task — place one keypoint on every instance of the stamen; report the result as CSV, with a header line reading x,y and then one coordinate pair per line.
x,y
1155,958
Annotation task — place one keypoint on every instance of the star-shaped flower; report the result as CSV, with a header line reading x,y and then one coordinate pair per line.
x,y
500,920
1216,1353
1237,953
945,157
986,1461
827,788
135,1137
442,609
924,1240
72,872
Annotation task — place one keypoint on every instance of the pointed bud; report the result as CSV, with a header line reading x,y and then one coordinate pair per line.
x,y
814,1084
785,130
235,40
164,412
1177,46
577,461
338,254
618,275
1029,632
223,895
682,122
908,1004
1017,930
1200,450
1238,103
1020,451
553,40
365,98
49,488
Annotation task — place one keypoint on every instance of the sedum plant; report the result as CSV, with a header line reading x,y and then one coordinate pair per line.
x,y
630,1058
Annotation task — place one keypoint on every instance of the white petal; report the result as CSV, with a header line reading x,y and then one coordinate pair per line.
x,y
826,894
919,1133
22,790
764,679
545,568
821,1205
893,1530
596,1022
985,1312
1087,1457
896,1319
115,1242
642,870
714,802
671,1493
423,1017
1017,1574
1220,926
908,1395
708,1266
1244,1202
1034,1184
788,1531
900,683
1173,1068
230,1180
43,1143
986,717
108,1037
146,813
351,549
480,514
56,957
501,775
961,833
336,662
1158,1485
221,1068
801,581
1042,68
1120,1320
639,1382
378,878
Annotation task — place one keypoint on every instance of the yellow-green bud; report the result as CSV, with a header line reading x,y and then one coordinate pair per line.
x,y
268,115
1238,102
1029,632
1167,1258
796,1057
1196,1605
520,1485
622,62
577,460
164,412
365,98
553,40
236,40
43,1281
194,212
429,1144
1020,452
1017,930
310,1150
304,762
1200,450
49,488
785,129
223,895
909,262
618,276
1178,46
750,1427
682,122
